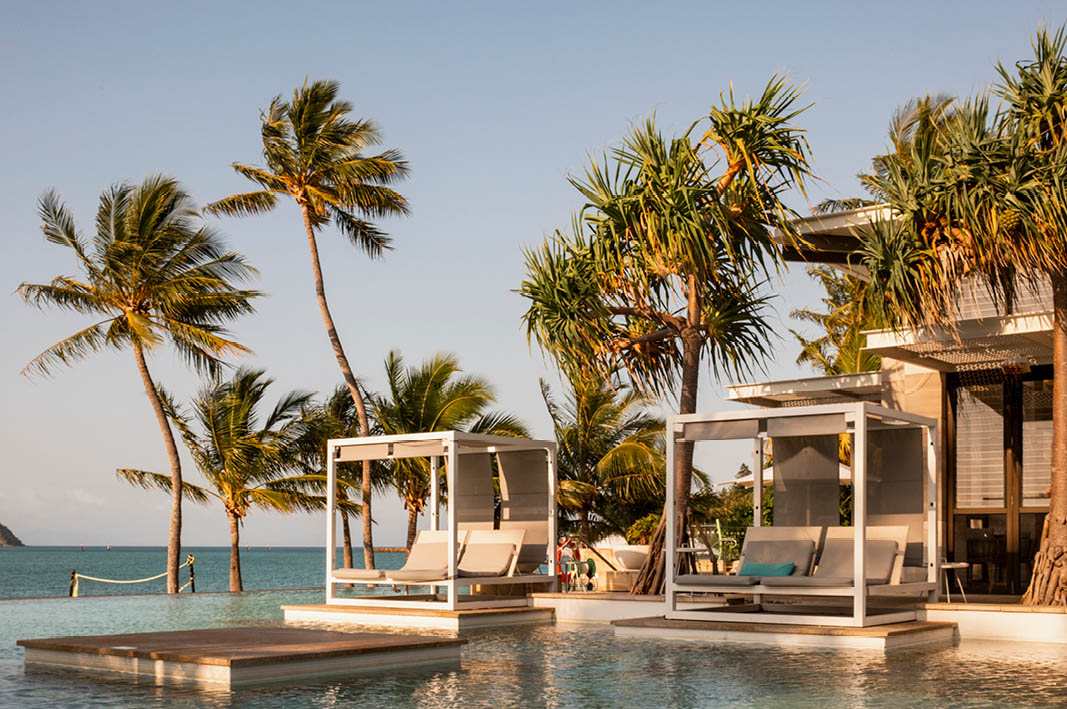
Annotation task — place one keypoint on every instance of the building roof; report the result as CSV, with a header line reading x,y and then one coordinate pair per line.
x,y
842,388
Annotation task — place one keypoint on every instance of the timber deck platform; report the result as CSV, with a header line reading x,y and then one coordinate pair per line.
x,y
237,656
426,618
877,637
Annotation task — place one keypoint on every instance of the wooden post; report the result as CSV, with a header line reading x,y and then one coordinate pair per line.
x,y
435,493
451,476
331,514
670,527
859,518
72,591
192,574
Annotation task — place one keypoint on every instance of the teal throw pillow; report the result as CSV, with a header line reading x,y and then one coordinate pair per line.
x,y
751,568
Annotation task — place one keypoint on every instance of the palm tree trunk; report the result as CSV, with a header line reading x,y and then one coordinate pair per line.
x,y
174,540
413,519
235,553
346,536
350,382
583,524
1048,584
652,576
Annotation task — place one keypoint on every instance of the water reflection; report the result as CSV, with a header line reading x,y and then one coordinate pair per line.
x,y
550,666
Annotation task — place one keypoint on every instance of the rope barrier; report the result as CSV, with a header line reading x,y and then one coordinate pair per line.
x,y
75,577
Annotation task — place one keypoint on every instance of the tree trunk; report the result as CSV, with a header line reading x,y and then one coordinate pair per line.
x,y
583,525
1048,584
350,382
174,539
235,553
413,519
652,576
346,536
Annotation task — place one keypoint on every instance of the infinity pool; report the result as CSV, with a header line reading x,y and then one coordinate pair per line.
x,y
563,665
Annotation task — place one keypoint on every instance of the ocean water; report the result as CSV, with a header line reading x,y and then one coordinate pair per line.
x,y
34,572
575,665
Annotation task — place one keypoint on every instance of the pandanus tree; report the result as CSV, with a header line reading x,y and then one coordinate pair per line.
x,y
152,275
433,396
315,153
245,461
610,459
662,268
982,195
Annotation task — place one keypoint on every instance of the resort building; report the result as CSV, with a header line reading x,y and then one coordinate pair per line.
x,y
988,384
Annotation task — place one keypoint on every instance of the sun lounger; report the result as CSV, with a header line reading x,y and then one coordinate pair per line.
x,y
490,553
427,561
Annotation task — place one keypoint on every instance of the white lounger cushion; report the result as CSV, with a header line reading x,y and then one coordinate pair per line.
x,y
486,559
837,559
798,551
814,581
717,580
490,552
359,574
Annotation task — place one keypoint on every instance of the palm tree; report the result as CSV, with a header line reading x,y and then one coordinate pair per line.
x,y
315,154
243,461
336,418
154,274
849,312
661,269
434,396
610,459
982,195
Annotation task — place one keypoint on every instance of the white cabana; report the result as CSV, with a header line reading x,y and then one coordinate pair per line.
x,y
527,476
895,512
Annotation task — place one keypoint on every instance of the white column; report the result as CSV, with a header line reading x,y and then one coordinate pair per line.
x,y
757,482
435,493
669,545
451,472
932,553
859,517
331,518
552,539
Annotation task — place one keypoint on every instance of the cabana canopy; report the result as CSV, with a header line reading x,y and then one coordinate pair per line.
x,y
895,506
527,482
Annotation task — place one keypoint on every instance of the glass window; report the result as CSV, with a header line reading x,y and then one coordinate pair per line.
x,y
1037,442
980,446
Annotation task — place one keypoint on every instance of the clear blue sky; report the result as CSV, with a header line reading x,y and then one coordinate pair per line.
x,y
493,103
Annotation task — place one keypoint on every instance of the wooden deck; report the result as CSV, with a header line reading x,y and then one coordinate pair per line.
x,y
435,618
878,637
236,656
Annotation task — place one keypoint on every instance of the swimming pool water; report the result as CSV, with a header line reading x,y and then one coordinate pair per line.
x,y
562,665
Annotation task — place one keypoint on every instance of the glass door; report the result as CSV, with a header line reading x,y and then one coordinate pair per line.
x,y
1000,468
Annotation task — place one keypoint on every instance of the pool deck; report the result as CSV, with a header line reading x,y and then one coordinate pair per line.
x,y
879,637
226,657
426,618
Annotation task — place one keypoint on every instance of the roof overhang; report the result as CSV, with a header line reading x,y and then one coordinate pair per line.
x,y
972,344
424,445
831,238
842,388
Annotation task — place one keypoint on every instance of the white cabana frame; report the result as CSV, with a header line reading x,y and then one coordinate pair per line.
x,y
754,424
450,446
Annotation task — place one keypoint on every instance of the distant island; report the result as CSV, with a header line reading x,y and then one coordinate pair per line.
x,y
8,538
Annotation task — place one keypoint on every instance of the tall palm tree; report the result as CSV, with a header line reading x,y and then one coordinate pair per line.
x,y
434,396
611,456
243,460
154,274
314,153
336,417
983,195
662,268
849,312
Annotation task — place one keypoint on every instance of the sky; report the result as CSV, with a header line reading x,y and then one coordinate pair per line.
x,y
494,105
